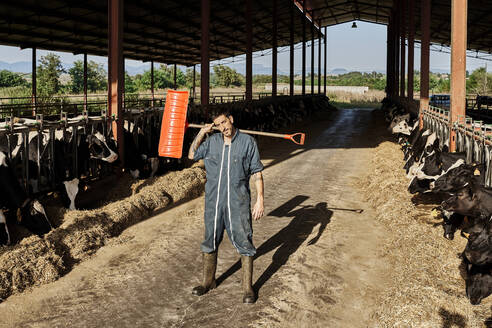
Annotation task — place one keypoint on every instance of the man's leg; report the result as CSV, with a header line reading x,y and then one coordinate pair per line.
x,y
241,236
214,231
209,267
249,296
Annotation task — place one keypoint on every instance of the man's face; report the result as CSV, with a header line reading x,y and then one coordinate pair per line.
x,y
224,123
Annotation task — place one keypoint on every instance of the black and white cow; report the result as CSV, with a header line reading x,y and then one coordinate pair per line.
x,y
471,200
458,177
29,212
479,247
84,143
478,280
433,166
88,146
424,147
141,145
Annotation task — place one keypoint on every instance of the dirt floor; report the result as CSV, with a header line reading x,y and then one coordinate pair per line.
x,y
322,252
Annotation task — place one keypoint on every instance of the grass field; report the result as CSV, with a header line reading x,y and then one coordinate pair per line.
x,y
370,99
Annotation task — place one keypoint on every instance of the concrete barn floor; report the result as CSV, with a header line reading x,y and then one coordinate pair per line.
x,y
317,262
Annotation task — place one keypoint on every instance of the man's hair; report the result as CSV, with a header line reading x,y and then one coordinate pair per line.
x,y
222,111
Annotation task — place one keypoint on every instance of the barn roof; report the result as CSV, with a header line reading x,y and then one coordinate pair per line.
x,y
163,31
169,31
334,12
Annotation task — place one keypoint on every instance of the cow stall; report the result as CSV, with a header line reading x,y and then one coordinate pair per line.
x,y
46,153
473,136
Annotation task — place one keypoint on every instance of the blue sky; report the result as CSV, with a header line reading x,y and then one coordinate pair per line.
x,y
360,49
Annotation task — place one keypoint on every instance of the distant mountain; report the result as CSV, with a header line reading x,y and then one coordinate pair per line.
x,y
18,67
26,66
338,71
257,69
262,69
134,70
441,71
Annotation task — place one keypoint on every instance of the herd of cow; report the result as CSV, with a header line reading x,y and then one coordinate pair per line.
x,y
39,156
54,157
466,202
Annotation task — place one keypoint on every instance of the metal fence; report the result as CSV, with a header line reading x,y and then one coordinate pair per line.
x,y
75,104
443,101
44,153
473,137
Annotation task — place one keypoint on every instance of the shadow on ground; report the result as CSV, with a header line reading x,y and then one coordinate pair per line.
x,y
287,241
450,320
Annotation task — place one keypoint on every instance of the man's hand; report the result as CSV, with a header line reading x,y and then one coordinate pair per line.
x,y
258,210
207,128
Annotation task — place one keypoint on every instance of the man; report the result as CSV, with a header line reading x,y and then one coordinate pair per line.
x,y
231,158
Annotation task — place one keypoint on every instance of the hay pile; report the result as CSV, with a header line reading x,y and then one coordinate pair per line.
x,y
36,261
426,289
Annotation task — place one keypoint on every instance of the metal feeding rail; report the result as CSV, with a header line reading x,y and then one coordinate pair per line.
x,y
12,130
473,136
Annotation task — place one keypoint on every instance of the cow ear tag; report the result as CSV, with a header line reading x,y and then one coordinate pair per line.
x,y
476,172
434,213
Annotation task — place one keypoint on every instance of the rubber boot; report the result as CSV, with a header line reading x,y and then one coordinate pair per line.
x,y
209,266
249,296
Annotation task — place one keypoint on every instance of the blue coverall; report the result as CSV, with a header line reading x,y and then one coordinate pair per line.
x,y
227,194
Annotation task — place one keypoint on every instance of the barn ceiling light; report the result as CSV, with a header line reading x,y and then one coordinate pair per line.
x,y
354,25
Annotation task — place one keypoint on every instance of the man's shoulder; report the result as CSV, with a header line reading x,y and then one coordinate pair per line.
x,y
246,138
215,137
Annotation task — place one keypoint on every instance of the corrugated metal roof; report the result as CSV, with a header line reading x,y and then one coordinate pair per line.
x,y
169,31
164,31
332,12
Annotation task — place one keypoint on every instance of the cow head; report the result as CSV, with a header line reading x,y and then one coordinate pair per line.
x,y
401,127
478,284
71,189
450,222
464,202
418,185
33,217
478,250
99,148
432,165
458,177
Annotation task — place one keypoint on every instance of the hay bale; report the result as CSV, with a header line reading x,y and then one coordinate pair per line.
x,y
33,262
426,289
80,234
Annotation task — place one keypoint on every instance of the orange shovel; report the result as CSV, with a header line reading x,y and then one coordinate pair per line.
x,y
174,126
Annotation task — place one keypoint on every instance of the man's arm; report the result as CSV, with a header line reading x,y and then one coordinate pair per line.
x,y
198,139
258,209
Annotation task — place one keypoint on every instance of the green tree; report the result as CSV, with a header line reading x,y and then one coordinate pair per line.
x,y
479,82
49,71
163,78
130,85
189,78
180,78
96,77
262,78
226,76
283,78
11,79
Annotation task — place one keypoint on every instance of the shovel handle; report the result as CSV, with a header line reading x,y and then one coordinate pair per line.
x,y
290,137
